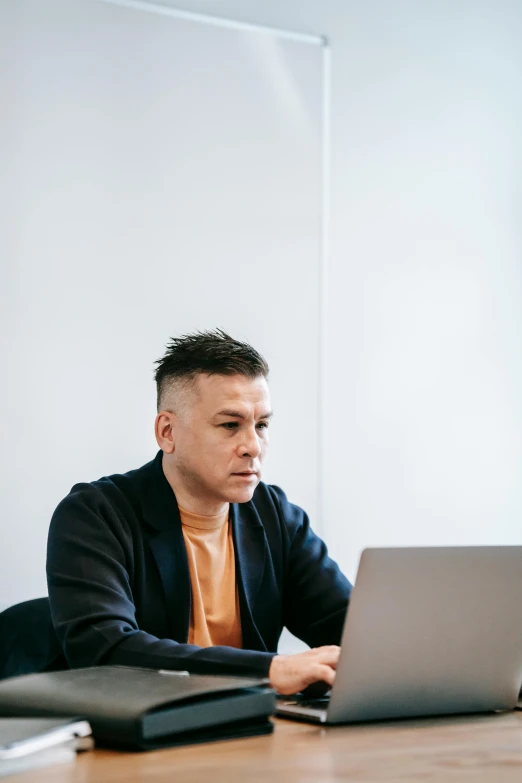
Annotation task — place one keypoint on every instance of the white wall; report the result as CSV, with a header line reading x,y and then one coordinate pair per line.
x,y
159,175
423,436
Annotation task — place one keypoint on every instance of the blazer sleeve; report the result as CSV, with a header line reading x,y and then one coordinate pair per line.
x,y
89,577
316,592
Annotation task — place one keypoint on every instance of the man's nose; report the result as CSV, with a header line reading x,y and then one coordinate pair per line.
x,y
251,446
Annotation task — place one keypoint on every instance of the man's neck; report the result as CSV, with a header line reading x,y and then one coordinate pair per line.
x,y
191,498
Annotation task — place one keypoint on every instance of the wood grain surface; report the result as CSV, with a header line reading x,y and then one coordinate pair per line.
x,y
483,749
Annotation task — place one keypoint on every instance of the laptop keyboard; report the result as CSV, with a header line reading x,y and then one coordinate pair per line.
x,y
315,704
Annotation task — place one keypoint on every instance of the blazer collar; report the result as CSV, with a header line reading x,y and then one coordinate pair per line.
x,y
160,511
158,501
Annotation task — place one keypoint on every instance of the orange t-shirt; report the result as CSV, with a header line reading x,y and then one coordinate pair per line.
x,y
214,615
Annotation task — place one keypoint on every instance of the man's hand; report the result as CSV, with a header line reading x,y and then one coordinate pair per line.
x,y
292,673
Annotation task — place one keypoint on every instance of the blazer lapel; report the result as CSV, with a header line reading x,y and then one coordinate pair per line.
x,y
171,559
250,548
161,512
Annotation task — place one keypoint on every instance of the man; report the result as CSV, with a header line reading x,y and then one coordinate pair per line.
x,y
191,562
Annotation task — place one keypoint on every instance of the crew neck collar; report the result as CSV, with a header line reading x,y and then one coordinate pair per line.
x,y
203,521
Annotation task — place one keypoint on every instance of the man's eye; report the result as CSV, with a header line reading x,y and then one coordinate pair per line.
x,y
263,425
230,425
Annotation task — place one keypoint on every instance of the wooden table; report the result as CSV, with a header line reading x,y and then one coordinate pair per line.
x,y
483,749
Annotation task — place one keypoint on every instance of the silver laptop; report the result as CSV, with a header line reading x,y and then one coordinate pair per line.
x,y
429,631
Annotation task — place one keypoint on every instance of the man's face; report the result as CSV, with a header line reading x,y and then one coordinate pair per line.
x,y
221,437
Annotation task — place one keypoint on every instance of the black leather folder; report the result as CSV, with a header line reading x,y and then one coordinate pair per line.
x,y
144,708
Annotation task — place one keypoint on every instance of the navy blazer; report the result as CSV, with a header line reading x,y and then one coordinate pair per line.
x,y
119,582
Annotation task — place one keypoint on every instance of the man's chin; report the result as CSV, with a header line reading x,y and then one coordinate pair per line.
x,y
242,494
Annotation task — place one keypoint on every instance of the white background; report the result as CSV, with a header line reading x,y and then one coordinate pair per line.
x,y
423,408
159,176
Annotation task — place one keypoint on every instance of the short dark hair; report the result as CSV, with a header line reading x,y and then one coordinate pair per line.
x,y
214,352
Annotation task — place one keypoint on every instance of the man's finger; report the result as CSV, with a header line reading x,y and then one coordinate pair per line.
x,y
329,657
323,673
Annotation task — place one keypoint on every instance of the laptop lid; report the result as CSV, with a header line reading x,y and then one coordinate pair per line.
x,y
431,631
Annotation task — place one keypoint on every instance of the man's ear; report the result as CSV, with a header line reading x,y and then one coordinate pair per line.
x,y
164,429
